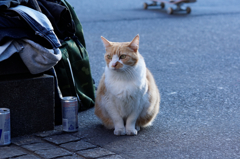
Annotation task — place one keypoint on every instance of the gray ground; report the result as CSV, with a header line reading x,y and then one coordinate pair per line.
x,y
195,61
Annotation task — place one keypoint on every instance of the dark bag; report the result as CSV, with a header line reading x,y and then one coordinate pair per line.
x,y
75,63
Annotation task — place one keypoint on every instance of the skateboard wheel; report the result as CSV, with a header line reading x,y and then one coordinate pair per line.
x,y
145,5
162,5
188,9
170,10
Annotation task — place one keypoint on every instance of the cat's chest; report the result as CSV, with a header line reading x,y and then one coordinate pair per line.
x,y
130,83
126,89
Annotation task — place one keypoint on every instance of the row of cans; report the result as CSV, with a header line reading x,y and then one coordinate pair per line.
x,y
69,119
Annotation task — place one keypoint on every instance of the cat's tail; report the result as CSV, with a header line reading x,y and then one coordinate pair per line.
x,y
147,120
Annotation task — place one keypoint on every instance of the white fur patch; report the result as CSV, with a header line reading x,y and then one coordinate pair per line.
x,y
127,89
115,59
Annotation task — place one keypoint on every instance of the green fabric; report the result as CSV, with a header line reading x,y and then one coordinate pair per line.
x,y
79,30
74,50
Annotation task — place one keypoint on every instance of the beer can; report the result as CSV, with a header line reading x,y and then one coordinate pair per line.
x,y
69,114
5,129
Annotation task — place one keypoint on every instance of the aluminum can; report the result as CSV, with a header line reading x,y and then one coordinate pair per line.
x,y
5,129
69,114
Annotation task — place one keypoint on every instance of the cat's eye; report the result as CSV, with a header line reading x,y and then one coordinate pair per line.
x,y
109,57
122,56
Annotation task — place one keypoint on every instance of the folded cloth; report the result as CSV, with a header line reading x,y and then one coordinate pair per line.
x,y
8,49
59,17
39,23
12,26
37,58
4,4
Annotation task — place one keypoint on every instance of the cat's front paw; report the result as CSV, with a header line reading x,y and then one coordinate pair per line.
x,y
132,132
120,131
137,128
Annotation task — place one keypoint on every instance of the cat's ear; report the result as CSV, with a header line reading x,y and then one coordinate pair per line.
x,y
105,42
135,44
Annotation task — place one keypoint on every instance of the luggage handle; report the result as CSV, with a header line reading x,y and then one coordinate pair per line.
x,y
73,78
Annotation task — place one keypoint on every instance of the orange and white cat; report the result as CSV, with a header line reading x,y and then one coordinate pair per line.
x,y
127,96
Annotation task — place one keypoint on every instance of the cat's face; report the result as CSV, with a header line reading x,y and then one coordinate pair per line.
x,y
120,56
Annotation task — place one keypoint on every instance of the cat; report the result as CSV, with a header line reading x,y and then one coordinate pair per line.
x,y
127,97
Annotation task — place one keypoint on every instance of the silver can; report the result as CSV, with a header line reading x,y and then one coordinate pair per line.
x,y
69,114
5,129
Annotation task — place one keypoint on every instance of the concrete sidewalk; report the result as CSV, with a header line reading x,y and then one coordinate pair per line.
x,y
55,144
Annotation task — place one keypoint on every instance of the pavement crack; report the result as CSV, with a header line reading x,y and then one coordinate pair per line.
x,y
18,156
62,156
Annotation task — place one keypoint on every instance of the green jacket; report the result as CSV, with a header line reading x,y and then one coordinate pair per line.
x,y
73,51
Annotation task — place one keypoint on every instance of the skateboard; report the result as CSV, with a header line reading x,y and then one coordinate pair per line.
x,y
171,10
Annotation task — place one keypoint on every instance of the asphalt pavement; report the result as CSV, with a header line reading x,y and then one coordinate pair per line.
x,y
195,60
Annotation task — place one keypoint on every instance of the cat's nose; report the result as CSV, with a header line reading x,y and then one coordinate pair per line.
x,y
114,64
